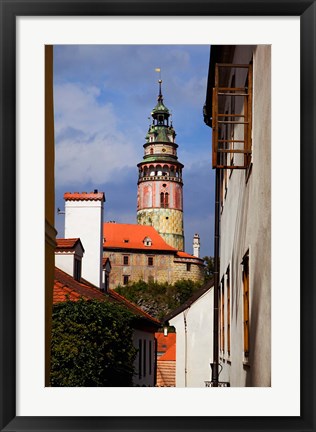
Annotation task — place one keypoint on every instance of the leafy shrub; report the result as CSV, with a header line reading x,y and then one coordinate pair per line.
x,y
158,299
91,345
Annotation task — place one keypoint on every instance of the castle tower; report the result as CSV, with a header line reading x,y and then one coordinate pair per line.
x,y
159,197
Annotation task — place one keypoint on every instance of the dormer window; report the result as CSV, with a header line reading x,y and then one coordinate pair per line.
x,y
147,241
126,241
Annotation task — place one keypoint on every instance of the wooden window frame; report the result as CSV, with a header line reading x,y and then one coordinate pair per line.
x,y
223,147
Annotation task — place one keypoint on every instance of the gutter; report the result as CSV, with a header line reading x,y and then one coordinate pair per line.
x,y
215,363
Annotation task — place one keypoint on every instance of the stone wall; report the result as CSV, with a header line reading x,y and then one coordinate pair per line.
x,y
137,266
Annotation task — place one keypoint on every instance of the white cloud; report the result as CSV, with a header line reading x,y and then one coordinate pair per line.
x,y
89,147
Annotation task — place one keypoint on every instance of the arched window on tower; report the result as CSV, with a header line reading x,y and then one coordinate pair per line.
x,y
164,199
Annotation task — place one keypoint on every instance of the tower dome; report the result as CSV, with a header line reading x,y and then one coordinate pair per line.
x,y
160,196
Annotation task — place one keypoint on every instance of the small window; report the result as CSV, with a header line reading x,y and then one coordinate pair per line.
x,y
188,267
126,241
125,259
147,241
150,261
125,279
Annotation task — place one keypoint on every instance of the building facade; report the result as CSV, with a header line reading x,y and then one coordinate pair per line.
x,y
193,322
138,252
238,110
160,196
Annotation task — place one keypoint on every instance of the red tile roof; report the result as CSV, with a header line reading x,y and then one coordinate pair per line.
x,y
84,196
166,373
170,354
186,255
67,288
131,236
69,243
165,342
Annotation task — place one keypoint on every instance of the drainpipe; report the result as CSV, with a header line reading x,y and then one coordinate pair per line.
x,y
185,348
214,365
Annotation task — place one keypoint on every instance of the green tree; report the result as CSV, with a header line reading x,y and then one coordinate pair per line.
x,y
158,299
92,345
209,267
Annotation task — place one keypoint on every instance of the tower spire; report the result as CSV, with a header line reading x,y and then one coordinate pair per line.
x,y
160,97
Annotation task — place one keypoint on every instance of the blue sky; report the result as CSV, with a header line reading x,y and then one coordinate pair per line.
x,y
103,96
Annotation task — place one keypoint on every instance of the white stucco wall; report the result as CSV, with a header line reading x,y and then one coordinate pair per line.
x,y
84,219
145,376
65,262
245,225
194,348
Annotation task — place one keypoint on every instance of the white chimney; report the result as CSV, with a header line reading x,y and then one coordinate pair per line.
x,y
196,245
84,219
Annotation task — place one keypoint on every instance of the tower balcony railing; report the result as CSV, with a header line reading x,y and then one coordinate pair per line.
x,y
169,178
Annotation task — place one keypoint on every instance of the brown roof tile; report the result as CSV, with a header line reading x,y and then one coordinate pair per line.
x,y
69,243
66,287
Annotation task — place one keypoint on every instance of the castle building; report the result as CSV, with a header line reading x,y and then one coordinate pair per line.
x,y
138,252
160,198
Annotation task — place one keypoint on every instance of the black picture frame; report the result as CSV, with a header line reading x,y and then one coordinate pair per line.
x,y
9,10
